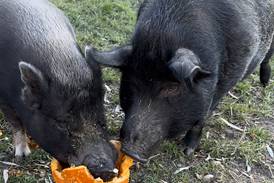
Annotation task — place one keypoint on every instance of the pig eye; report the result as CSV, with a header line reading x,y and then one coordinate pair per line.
x,y
170,90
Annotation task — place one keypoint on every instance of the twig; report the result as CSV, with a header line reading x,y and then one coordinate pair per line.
x,y
231,125
38,164
152,157
245,174
181,169
107,88
230,173
239,143
9,163
162,181
233,96
160,165
270,169
231,111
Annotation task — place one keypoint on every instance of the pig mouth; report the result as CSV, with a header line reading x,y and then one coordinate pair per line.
x,y
134,154
107,175
99,165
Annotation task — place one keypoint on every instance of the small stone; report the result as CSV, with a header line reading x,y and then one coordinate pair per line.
x,y
208,178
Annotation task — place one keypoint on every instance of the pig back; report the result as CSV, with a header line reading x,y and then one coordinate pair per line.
x,y
36,32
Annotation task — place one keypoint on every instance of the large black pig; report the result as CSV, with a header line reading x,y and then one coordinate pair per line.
x,y
185,55
49,90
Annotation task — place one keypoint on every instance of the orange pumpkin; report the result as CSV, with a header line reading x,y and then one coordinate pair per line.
x,y
81,174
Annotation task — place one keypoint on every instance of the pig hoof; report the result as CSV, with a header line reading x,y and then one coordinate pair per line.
x,y
27,151
188,151
21,144
22,150
265,74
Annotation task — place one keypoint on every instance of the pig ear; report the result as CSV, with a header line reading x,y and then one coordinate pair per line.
x,y
185,68
113,58
35,83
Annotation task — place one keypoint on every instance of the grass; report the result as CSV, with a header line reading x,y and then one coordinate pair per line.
x,y
223,153
101,23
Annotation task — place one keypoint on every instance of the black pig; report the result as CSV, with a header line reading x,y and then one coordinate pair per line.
x,y
185,55
49,90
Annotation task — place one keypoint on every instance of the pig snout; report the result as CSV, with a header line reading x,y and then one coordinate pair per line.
x,y
140,141
105,169
106,175
133,153
130,142
99,157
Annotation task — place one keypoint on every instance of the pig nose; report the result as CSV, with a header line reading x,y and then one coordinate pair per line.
x,y
104,170
133,154
105,174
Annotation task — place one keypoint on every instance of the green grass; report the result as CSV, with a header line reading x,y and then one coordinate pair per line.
x,y
102,23
223,152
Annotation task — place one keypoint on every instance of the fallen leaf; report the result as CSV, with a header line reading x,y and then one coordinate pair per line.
x,y
1,133
15,173
270,151
248,168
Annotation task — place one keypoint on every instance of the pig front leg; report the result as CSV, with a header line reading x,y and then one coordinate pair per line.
x,y
20,139
265,68
21,144
192,138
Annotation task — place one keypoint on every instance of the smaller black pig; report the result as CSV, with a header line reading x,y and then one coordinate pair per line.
x,y
49,90
185,55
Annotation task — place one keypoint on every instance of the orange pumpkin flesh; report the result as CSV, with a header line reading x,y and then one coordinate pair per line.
x,y
81,174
